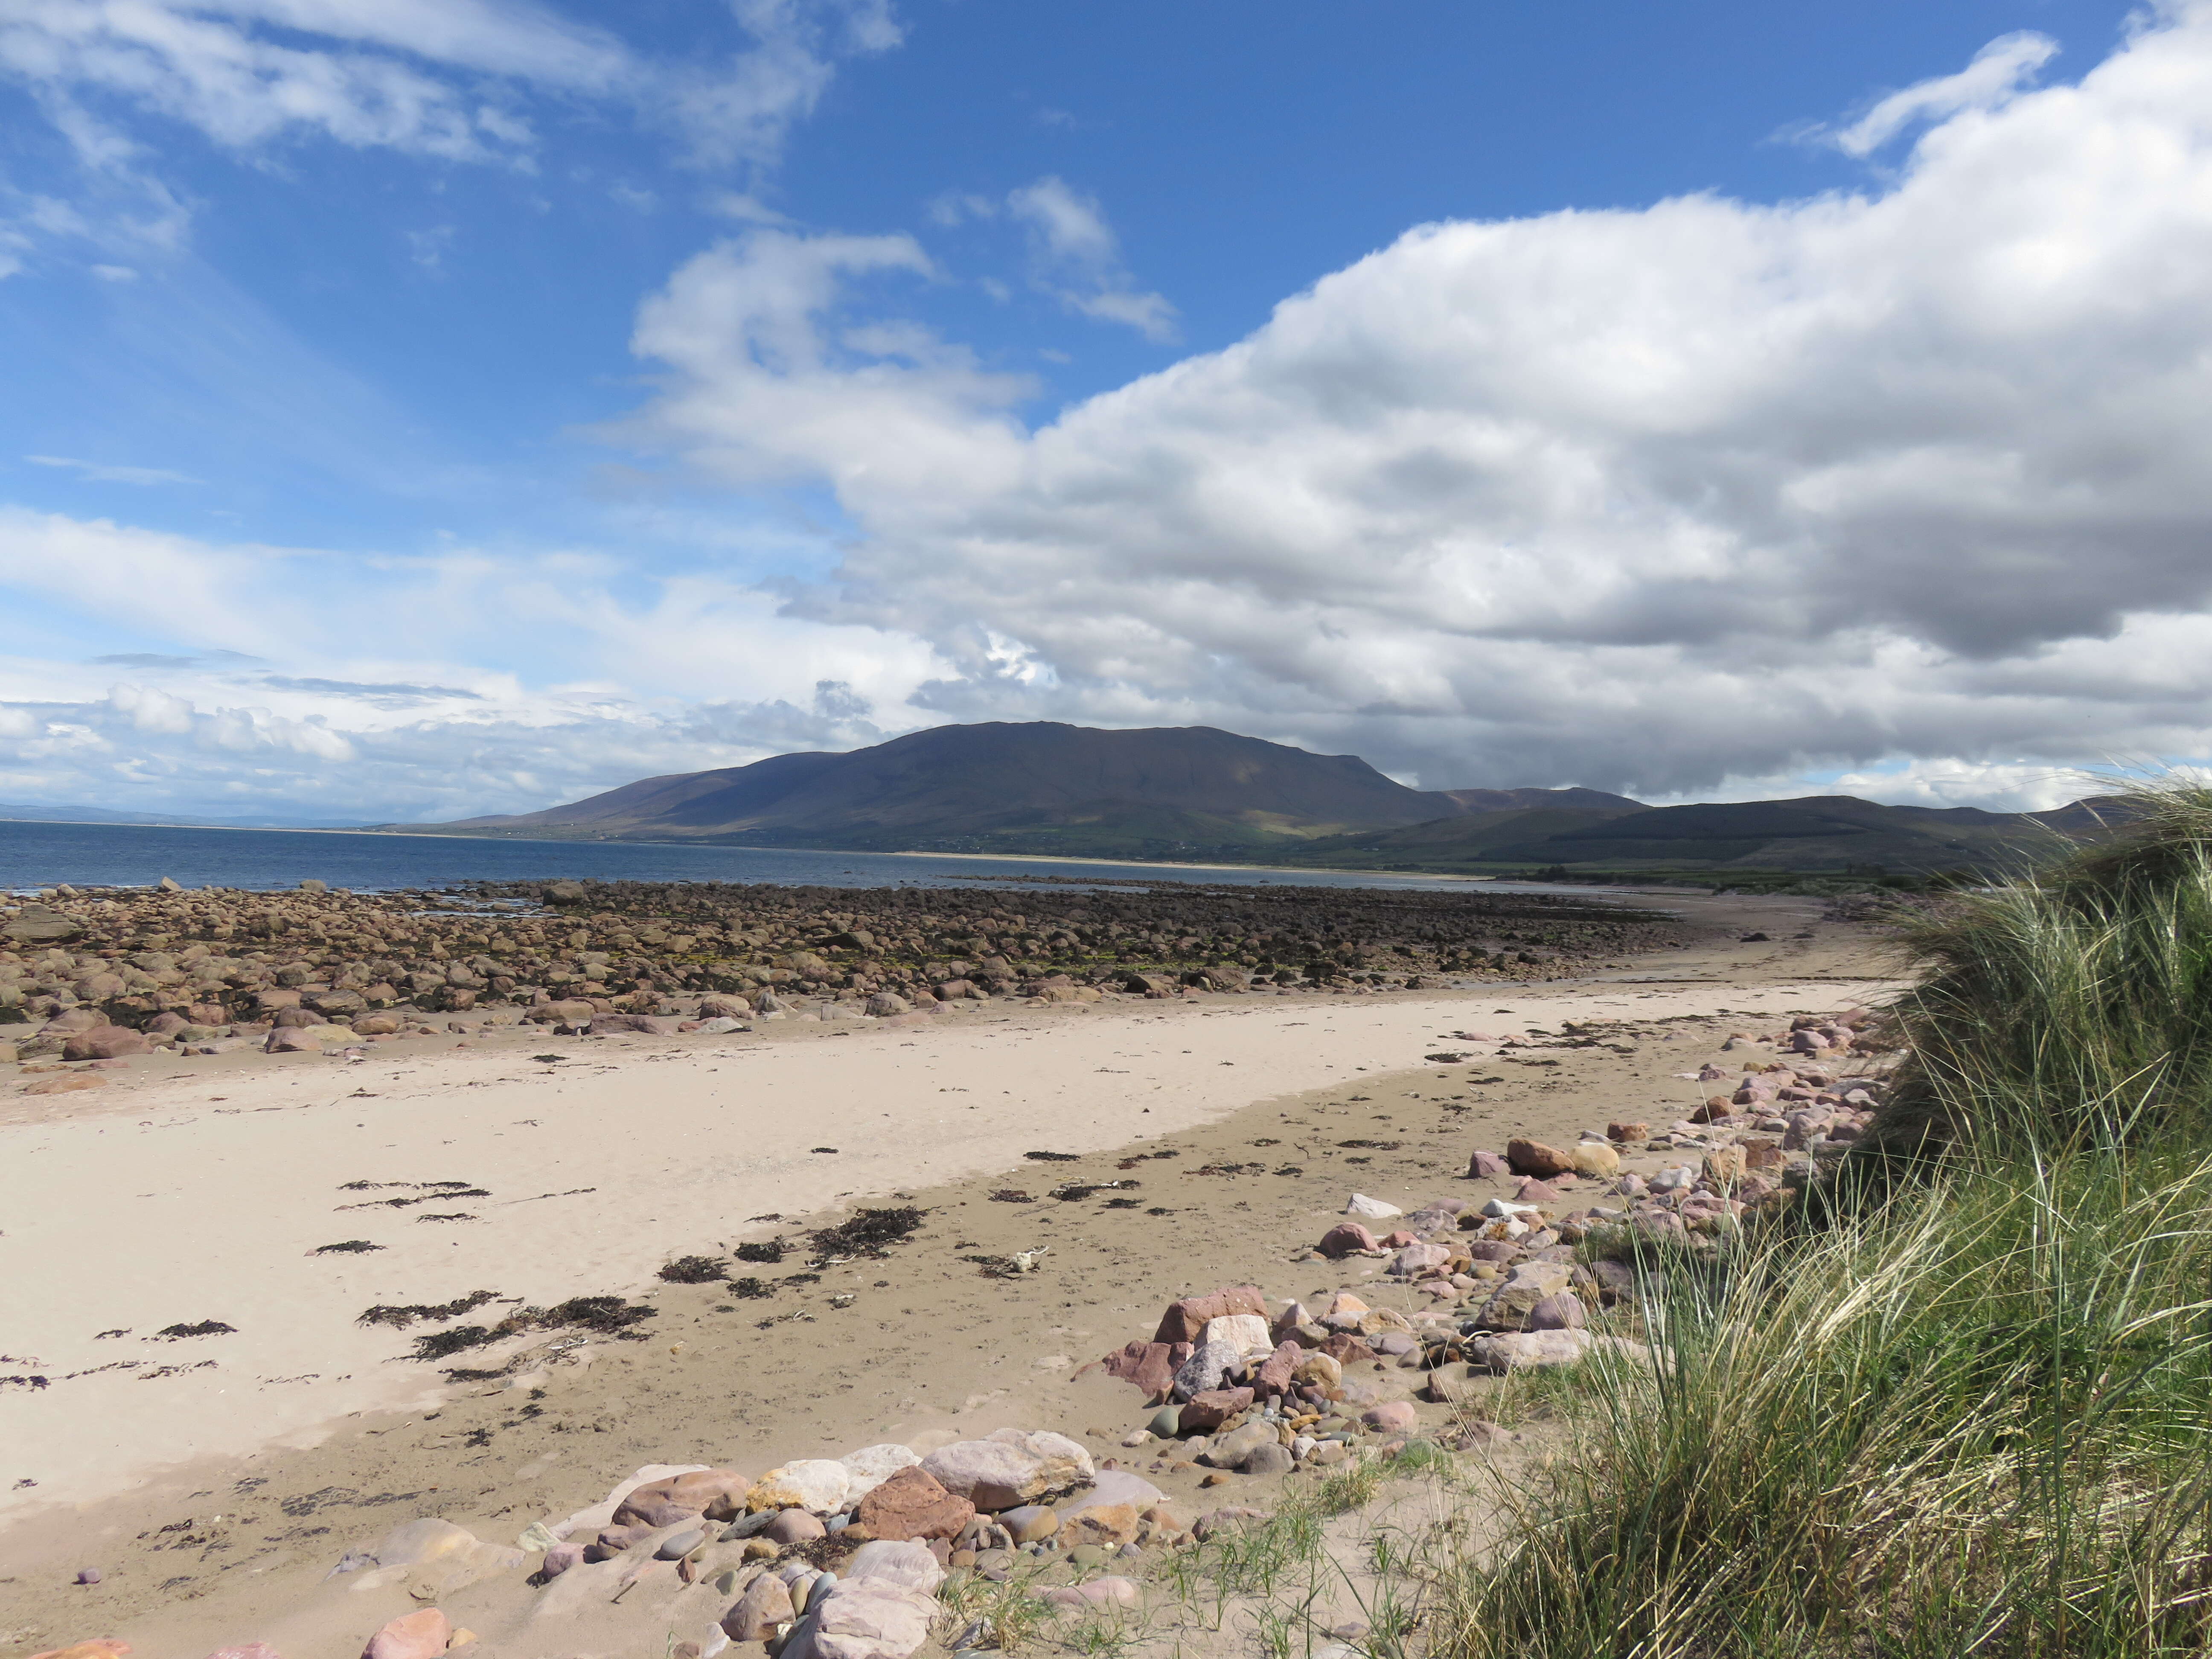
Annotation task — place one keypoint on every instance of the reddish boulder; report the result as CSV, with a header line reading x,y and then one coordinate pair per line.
x,y
1533,1157
1150,1365
1208,1412
1347,1237
104,1042
1484,1166
1185,1319
1347,1349
1627,1132
1278,1371
914,1505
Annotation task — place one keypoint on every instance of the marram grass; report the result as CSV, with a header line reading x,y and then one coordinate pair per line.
x,y
1972,1413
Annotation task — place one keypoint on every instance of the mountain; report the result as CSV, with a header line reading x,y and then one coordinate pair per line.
x,y
1037,787
1817,833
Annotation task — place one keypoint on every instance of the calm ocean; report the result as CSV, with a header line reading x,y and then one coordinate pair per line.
x,y
120,854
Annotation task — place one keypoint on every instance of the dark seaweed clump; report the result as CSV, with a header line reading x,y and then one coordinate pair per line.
x,y
768,1250
399,1318
867,1233
752,1289
349,1247
694,1270
1051,1157
205,1327
609,1315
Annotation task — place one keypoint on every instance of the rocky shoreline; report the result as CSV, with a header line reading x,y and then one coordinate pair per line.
x,y
101,974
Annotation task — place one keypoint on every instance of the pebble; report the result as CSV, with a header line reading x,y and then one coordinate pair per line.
x,y
87,1575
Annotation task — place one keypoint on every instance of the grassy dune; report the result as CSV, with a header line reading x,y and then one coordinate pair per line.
x,y
1964,1405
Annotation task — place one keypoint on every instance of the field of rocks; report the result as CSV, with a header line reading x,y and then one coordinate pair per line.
x,y
98,974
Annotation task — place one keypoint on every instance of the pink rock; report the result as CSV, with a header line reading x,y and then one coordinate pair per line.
x,y
1399,1240
1533,1191
559,1559
1392,1416
1345,1238
1484,1166
411,1636
250,1650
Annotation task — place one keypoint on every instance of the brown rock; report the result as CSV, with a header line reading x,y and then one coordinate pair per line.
x,y
1627,1132
66,1084
914,1505
1724,1166
1185,1319
411,1636
794,1527
765,1604
718,1494
1109,1524
1533,1157
1347,1349
1279,1370
1208,1412
104,1042
1150,1365
1481,1166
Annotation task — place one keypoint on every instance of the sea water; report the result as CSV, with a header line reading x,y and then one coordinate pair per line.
x,y
36,854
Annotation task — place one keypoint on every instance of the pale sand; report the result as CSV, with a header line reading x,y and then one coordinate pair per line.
x,y
153,1204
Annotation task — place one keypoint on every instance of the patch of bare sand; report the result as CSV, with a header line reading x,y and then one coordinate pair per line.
x,y
682,1144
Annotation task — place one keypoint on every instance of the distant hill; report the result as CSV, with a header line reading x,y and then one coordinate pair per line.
x,y
1037,787
1817,833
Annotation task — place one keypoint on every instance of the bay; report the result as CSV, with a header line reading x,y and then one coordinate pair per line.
x,y
44,854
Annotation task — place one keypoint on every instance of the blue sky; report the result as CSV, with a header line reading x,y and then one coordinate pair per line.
x,y
422,407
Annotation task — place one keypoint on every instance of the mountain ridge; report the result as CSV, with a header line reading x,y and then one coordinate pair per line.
x,y
1032,787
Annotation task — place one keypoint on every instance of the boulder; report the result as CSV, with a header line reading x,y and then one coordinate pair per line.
x,y
1481,1166
1187,1320
1627,1131
913,1504
104,1042
1204,1412
754,1616
1526,1285
1523,1350
870,1466
1210,1364
999,1474
718,1494
912,1565
1346,1238
818,1484
1533,1157
411,1636
1370,1209
1596,1159
1150,1365
870,1618
1417,1259
1563,1312
1392,1417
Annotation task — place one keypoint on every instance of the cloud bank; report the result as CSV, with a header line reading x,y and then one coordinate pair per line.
x,y
1676,500
1903,490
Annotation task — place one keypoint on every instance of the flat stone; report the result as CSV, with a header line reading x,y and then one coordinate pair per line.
x,y
1031,1522
1370,1209
913,1504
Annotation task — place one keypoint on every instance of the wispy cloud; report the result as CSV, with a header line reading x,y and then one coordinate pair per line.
x,y
102,472
1076,257
1998,73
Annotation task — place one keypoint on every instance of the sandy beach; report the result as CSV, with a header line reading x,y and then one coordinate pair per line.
x,y
169,1201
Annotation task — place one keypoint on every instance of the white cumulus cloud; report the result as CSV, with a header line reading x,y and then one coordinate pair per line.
x,y
1644,498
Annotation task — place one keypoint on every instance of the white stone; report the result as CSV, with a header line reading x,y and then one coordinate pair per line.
x,y
1370,1209
817,1484
1246,1332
